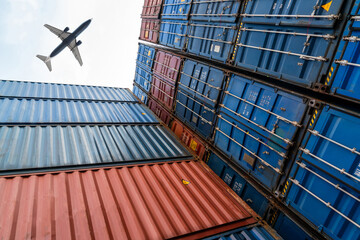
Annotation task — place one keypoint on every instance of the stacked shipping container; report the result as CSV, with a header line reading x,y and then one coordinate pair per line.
x,y
281,139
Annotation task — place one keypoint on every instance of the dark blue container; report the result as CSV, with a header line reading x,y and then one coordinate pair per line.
x,y
212,40
146,56
173,33
140,94
326,177
238,184
345,72
176,9
215,11
287,229
143,77
256,127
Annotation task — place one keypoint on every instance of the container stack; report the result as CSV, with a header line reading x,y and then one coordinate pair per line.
x,y
267,95
150,23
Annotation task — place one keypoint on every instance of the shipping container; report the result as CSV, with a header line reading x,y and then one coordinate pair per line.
x,y
155,201
167,66
151,9
257,126
253,232
287,229
190,139
173,33
215,11
9,88
145,56
176,9
34,111
140,94
150,30
238,184
35,147
159,111
293,41
212,40
163,91
344,73
326,177
143,77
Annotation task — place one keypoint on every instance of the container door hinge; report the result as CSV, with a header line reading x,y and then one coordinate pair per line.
x,y
322,88
315,104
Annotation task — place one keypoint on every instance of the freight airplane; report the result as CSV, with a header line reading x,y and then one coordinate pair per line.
x,y
68,40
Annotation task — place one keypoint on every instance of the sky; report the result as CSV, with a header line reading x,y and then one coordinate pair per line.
x,y
108,49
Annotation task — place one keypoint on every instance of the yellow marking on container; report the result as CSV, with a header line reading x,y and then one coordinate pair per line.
x,y
327,6
142,98
316,112
330,73
180,9
146,34
143,113
332,68
274,216
149,53
185,182
193,145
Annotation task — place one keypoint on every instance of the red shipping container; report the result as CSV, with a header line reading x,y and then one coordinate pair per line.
x,y
182,199
167,66
151,9
163,91
150,30
189,138
159,111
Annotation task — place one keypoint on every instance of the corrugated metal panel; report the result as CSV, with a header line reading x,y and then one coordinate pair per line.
x,y
326,177
63,91
150,30
159,111
287,229
176,9
212,40
140,94
173,33
163,91
137,202
143,77
151,9
17,110
145,56
167,66
59,146
215,10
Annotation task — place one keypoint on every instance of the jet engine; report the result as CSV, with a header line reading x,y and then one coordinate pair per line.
x,y
78,43
66,29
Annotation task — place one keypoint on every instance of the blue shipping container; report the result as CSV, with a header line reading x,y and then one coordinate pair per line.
x,y
143,77
63,146
326,178
146,56
346,77
215,11
238,184
64,91
212,40
140,94
173,33
39,111
256,127
287,229
176,9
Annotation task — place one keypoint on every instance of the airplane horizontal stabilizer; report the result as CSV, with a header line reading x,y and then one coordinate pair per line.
x,y
46,60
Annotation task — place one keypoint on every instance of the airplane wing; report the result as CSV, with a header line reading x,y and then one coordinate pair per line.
x,y
61,34
73,47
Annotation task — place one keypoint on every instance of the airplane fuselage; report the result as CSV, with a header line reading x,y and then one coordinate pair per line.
x,y
70,38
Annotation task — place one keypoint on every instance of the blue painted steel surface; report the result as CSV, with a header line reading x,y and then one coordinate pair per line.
x,y
146,56
176,9
63,91
173,33
212,40
16,110
238,184
60,146
215,11
256,127
287,229
326,178
346,77
140,94
143,77
252,232
304,13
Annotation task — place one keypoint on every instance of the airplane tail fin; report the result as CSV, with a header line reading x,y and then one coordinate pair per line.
x,y
46,60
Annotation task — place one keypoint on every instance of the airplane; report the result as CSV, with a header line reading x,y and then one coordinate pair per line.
x,y
68,40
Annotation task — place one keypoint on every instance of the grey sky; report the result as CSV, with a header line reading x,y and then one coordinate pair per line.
x,y
108,48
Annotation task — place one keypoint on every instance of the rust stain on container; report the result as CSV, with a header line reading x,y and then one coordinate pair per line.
x,y
129,202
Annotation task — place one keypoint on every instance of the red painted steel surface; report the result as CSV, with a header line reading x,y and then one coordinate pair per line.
x,y
167,66
131,202
163,91
190,139
150,30
151,9
159,111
